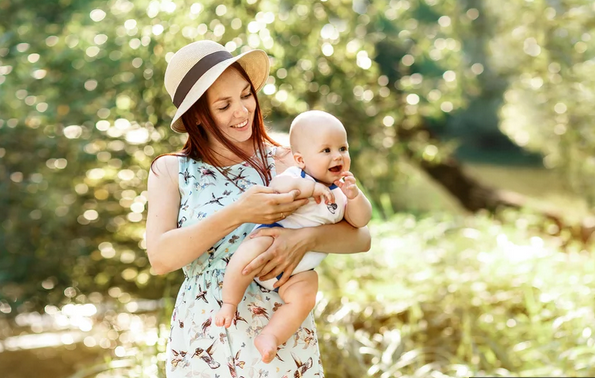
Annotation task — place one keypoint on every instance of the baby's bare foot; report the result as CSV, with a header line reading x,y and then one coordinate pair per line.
x,y
267,346
225,316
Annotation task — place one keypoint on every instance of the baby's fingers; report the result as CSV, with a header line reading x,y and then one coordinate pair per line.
x,y
330,197
320,198
349,180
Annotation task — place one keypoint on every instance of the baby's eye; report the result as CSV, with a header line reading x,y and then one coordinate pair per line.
x,y
343,148
326,150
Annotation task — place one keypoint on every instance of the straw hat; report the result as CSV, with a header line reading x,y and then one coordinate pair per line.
x,y
195,67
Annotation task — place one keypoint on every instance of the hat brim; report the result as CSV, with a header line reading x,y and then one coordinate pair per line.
x,y
255,63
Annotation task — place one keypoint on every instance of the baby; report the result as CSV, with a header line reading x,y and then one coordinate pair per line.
x,y
319,146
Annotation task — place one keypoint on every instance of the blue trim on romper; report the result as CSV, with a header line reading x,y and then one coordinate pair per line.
x,y
276,290
269,225
333,186
279,277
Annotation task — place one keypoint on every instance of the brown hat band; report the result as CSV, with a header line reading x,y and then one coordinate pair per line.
x,y
196,73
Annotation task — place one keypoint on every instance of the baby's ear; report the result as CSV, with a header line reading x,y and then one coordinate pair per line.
x,y
299,160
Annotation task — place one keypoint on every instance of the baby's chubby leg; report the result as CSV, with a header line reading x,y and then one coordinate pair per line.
x,y
234,282
299,295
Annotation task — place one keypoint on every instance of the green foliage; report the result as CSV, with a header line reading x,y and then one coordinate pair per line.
x,y
78,102
84,112
548,56
444,296
437,296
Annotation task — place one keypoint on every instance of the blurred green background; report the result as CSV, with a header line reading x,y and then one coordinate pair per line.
x,y
471,129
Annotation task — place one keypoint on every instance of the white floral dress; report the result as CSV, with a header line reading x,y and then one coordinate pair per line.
x,y
197,347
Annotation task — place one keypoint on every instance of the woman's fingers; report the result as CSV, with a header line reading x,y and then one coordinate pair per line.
x,y
264,258
282,256
271,231
286,275
291,207
259,189
275,259
288,197
270,270
261,204
255,264
274,269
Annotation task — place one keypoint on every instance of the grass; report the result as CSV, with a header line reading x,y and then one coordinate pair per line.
x,y
448,296
438,295
443,296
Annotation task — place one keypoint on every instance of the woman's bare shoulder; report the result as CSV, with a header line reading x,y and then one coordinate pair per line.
x,y
283,158
167,166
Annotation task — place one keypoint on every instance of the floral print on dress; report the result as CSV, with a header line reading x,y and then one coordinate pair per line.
x,y
196,347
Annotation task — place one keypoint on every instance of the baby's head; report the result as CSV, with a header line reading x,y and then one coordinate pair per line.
x,y
319,145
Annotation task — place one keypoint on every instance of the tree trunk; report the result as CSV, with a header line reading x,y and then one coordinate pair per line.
x,y
474,196
471,194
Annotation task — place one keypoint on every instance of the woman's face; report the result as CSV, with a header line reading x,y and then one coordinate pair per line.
x,y
232,106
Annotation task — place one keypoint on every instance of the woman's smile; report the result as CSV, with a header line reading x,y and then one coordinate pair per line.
x,y
241,126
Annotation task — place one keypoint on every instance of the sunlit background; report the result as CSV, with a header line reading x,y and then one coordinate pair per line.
x,y
471,129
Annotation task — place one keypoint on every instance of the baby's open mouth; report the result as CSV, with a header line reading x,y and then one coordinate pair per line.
x,y
336,168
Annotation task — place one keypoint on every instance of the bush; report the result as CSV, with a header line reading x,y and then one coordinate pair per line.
x,y
443,296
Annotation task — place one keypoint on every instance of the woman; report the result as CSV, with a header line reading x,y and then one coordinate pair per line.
x,y
204,200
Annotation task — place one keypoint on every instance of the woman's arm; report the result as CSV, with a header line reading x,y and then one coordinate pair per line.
x,y
169,248
290,246
339,238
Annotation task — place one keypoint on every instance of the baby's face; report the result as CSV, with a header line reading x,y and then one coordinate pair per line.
x,y
325,153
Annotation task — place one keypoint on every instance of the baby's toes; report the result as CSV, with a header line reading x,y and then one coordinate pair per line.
x,y
219,320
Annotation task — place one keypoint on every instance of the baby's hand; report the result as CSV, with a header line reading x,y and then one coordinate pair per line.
x,y
348,186
322,192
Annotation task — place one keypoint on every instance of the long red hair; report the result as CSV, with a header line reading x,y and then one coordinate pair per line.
x,y
199,123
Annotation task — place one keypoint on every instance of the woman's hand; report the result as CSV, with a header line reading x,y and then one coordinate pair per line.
x,y
261,204
283,256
